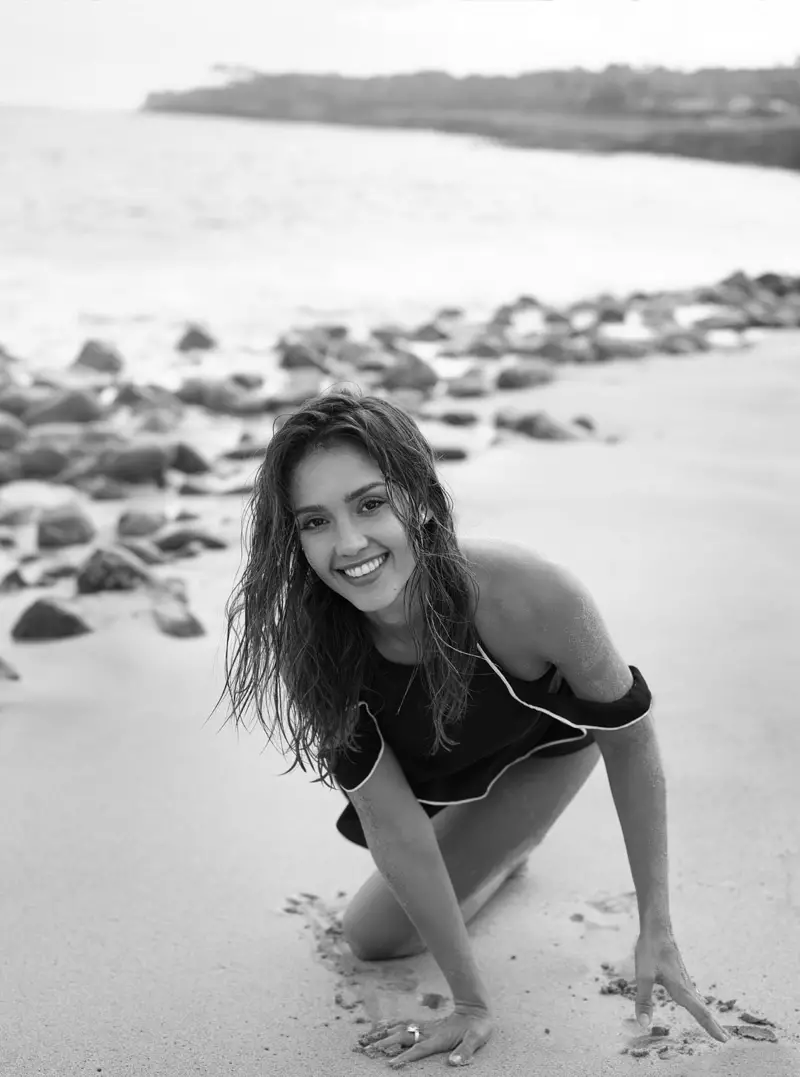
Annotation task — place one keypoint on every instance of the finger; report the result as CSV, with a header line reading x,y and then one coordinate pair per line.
x,y
692,1002
644,997
422,1049
463,1054
386,1028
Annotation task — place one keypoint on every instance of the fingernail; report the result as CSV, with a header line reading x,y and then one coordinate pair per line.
x,y
644,1020
456,1060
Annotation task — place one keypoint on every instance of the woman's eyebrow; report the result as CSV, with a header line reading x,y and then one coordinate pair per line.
x,y
348,497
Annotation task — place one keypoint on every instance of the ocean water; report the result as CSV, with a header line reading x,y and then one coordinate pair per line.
x,y
127,225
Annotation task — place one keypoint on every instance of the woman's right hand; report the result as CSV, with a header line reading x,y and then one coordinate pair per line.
x,y
462,1032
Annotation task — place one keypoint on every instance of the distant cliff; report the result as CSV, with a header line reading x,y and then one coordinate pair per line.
x,y
748,116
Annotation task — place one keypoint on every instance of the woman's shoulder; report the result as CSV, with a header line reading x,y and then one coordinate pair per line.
x,y
514,583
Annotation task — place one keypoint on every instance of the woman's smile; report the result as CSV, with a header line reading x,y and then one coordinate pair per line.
x,y
365,572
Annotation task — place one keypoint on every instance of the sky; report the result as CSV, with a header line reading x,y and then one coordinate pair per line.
x,y
111,53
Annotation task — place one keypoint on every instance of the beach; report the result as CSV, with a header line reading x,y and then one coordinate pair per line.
x,y
149,856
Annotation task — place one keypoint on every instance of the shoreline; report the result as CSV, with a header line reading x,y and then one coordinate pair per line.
x,y
765,145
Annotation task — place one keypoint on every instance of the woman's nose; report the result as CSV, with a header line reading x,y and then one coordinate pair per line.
x,y
349,538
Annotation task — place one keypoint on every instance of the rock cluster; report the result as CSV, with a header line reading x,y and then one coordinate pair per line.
x,y
99,434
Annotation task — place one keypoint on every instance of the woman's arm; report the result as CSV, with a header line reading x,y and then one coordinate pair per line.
x,y
567,627
638,786
403,844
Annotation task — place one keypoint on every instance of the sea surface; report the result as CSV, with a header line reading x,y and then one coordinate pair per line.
x,y
128,225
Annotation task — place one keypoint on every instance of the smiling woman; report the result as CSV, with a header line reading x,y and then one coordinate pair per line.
x,y
458,695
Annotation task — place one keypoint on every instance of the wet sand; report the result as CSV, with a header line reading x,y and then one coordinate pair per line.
x,y
146,856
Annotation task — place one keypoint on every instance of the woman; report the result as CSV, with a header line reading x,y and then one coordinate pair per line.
x,y
458,694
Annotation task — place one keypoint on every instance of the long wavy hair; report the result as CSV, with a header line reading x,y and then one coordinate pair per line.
x,y
296,650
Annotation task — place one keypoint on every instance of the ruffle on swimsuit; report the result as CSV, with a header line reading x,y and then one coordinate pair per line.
x,y
507,720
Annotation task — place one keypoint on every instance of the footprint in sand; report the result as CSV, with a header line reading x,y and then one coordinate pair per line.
x,y
368,990
606,913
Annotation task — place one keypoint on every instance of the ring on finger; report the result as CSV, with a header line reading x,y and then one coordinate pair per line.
x,y
414,1030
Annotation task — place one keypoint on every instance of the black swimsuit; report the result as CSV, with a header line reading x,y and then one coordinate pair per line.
x,y
507,720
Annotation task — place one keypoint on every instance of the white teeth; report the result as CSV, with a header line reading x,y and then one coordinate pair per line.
x,y
364,570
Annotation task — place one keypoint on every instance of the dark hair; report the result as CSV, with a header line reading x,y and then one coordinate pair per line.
x,y
295,642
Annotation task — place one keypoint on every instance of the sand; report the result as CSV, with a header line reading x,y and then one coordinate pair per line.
x,y
146,856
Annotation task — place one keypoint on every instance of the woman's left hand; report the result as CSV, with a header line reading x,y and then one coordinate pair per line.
x,y
658,960
462,1033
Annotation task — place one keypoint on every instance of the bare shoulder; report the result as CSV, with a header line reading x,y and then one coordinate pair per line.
x,y
511,575
534,613
518,589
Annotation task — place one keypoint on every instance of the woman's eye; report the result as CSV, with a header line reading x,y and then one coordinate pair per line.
x,y
376,501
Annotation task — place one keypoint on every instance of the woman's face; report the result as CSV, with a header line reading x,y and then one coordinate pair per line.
x,y
344,520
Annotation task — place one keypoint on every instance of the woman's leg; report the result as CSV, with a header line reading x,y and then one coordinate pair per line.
x,y
481,842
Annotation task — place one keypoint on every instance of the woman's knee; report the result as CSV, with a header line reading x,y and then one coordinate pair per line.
x,y
372,940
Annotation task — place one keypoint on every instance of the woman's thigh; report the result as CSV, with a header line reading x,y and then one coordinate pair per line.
x,y
481,842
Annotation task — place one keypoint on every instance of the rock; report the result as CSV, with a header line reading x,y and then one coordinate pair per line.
x,y
173,618
586,422
475,382
779,284
193,488
222,396
12,431
247,449
476,340
16,515
409,372
458,418
753,1019
7,671
136,523
364,357
100,488
144,549
724,318
188,460
100,356
42,462
137,464
110,568
429,332
76,438
678,341
566,349
55,573
764,316
752,1032
64,525
300,356
10,468
195,338
610,347
538,424
13,581
157,422
180,535
48,619
390,334
146,396
18,399
454,452
69,405
526,375
191,549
